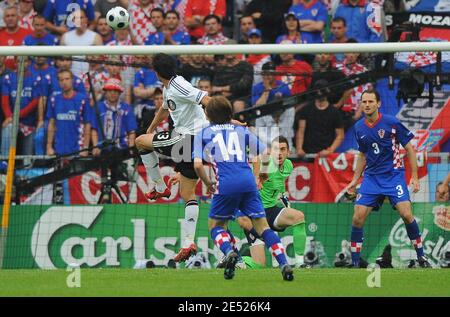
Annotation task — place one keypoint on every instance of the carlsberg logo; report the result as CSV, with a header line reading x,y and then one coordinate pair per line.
x,y
55,219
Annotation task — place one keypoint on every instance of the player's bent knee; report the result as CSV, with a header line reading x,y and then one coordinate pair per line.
x,y
245,223
144,142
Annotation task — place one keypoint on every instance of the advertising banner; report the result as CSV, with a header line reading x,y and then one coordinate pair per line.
x,y
50,237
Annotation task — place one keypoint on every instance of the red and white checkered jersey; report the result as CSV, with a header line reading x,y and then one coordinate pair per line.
x,y
352,103
140,23
219,39
26,21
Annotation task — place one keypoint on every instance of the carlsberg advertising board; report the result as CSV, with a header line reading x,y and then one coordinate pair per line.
x,y
123,235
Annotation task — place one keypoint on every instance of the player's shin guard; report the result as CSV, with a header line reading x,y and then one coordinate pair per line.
x,y
357,237
414,235
233,244
190,220
299,233
221,239
151,163
273,243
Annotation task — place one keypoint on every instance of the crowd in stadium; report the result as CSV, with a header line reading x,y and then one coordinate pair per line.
x,y
247,80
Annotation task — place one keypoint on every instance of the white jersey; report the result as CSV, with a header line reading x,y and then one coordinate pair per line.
x,y
183,102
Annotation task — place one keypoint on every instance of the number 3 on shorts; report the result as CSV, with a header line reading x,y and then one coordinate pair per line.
x,y
400,191
163,136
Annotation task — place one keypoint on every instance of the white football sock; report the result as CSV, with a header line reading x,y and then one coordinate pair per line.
x,y
190,219
299,259
151,163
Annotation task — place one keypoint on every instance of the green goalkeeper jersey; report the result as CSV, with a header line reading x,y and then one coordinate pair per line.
x,y
275,184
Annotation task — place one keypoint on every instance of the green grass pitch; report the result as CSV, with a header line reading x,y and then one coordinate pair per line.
x,y
193,283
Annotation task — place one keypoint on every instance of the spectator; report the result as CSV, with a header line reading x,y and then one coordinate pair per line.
x,y
52,86
102,28
205,84
234,81
149,113
116,119
119,72
58,14
256,60
3,5
69,117
313,16
292,25
13,34
40,36
443,189
28,104
26,14
268,16
3,72
320,127
213,34
170,34
102,7
145,84
81,36
141,25
363,20
41,71
338,31
325,69
349,103
98,75
246,24
196,69
296,74
197,11
280,122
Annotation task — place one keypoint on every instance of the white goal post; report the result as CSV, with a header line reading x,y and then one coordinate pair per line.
x,y
226,49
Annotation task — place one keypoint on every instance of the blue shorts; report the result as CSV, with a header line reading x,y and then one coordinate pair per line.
x,y
375,188
225,206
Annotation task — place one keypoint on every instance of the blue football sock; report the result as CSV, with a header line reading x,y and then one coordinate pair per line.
x,y
414,235
222,239
273,243
357,238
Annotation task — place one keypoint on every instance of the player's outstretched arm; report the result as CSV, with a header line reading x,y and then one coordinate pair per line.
x,y
360,164
161,115
411,153
200,170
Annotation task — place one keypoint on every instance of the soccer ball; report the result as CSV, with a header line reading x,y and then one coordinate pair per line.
x,y
118,18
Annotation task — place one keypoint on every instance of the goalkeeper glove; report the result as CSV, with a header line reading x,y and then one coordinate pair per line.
x,y
285,200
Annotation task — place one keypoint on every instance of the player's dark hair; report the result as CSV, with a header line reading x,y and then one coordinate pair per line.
x,y
339,19
372,91
38,16
219,110
158,10
212,16
165,65
173,12
281,139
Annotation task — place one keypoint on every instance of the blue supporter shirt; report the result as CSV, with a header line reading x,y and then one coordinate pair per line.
x,y
70,115
157,38
29,92
50,84
56,11
147,78
48,39
228,147
380,142
117,123
363,23
315,11
281,91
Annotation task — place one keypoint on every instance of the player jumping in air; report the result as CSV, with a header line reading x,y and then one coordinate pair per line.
x,y
183,103
225,146
379,138
278,217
